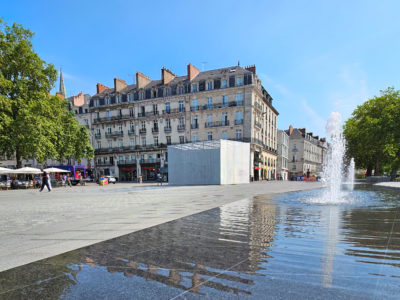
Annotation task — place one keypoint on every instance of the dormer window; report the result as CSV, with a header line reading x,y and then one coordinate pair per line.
x,y
181,90
194,87
239,81
224,83
209,85
108,101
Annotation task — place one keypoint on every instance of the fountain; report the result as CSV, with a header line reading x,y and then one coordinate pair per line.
x,y
333,163
350,175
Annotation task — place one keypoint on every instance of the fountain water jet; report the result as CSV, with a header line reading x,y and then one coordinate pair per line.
x,y
333,163
350,174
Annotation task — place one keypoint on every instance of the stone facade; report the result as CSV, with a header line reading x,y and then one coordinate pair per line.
x,y
133,124
306,152
283,155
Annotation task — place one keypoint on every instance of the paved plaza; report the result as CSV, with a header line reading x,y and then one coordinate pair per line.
x,y
40,225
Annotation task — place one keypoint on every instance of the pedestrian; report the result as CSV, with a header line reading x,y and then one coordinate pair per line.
x,y
45,181
159,179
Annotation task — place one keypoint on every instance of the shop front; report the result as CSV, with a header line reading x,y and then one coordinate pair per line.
x,y
149,171
128,172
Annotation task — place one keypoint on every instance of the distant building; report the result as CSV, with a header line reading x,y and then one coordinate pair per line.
x,y
306,152
134,124
283,155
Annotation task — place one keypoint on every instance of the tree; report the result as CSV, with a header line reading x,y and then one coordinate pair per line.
x,y
373,133
33,123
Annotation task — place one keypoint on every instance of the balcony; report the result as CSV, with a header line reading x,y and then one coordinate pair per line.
x,y
181,127
97,136
216,124
195,126
126,162
194,108
167,129
103,164
142,130
239,122
173,111
112,119
114,134
257,124
131,132
154,130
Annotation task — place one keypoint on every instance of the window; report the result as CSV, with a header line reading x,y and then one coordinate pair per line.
x,y
181,122
239,115
195,105
181,90
108,114
142,158
126,158
98,145
181,106
155,141
107,101
120,128
181,139
202,85
195,123
132,143
209,85
224,119
121,159
131,126
194,138
155,124
150,157
168,123
168,92
224,101
133,159
143,125
231,81
167,108
143,141
86,111
109,130
98,131
224,136
119,112
155,109
209,136
131,112
109,144
96,102
224,84
168,140
209,120
239,81
194,88
238,134
120,143
209,103
239,99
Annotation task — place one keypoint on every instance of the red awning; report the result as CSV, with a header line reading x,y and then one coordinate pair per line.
x,y
256,168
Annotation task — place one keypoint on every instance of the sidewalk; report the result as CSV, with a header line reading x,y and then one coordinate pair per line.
x,y
39,225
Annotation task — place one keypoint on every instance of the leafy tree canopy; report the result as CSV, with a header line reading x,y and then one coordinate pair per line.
x,y
33,123
373,132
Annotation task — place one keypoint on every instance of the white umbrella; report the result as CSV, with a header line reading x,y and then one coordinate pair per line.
x,y
56,170
5,170
26,170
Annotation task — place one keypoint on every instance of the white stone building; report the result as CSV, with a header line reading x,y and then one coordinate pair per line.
x,y
283,155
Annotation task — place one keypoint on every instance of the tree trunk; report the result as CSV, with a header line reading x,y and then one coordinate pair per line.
x,y
378,169
18,158
369,171
393,174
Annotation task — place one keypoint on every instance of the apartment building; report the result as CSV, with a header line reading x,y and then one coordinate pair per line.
x,y
283,155
133,124
306,152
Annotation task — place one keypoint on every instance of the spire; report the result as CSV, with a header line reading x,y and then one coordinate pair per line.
x,y
62,90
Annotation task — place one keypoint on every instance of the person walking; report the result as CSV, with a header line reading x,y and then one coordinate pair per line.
x,y
45,181
159,179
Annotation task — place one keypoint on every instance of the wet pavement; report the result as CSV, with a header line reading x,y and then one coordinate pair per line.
x,y
288,247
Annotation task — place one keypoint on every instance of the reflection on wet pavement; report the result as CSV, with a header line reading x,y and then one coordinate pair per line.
x,y
253,248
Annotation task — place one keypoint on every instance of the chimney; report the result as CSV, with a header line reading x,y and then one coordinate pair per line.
x,y
316,137
290,129
60,95
119,84
192,72
251,68
302,130
167,76
310,133
323,140
101,88
141,80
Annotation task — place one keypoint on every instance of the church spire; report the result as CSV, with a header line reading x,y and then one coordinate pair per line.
x,y
62,90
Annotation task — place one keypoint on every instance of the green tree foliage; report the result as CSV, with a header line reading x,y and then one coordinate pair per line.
x,y
33,123
373,133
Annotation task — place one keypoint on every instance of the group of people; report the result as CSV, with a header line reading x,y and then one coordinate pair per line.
x,y
66,180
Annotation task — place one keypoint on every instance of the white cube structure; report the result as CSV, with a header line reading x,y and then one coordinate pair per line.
x,y
211,162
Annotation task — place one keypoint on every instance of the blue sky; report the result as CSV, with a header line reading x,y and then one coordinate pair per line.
x,y
314,57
